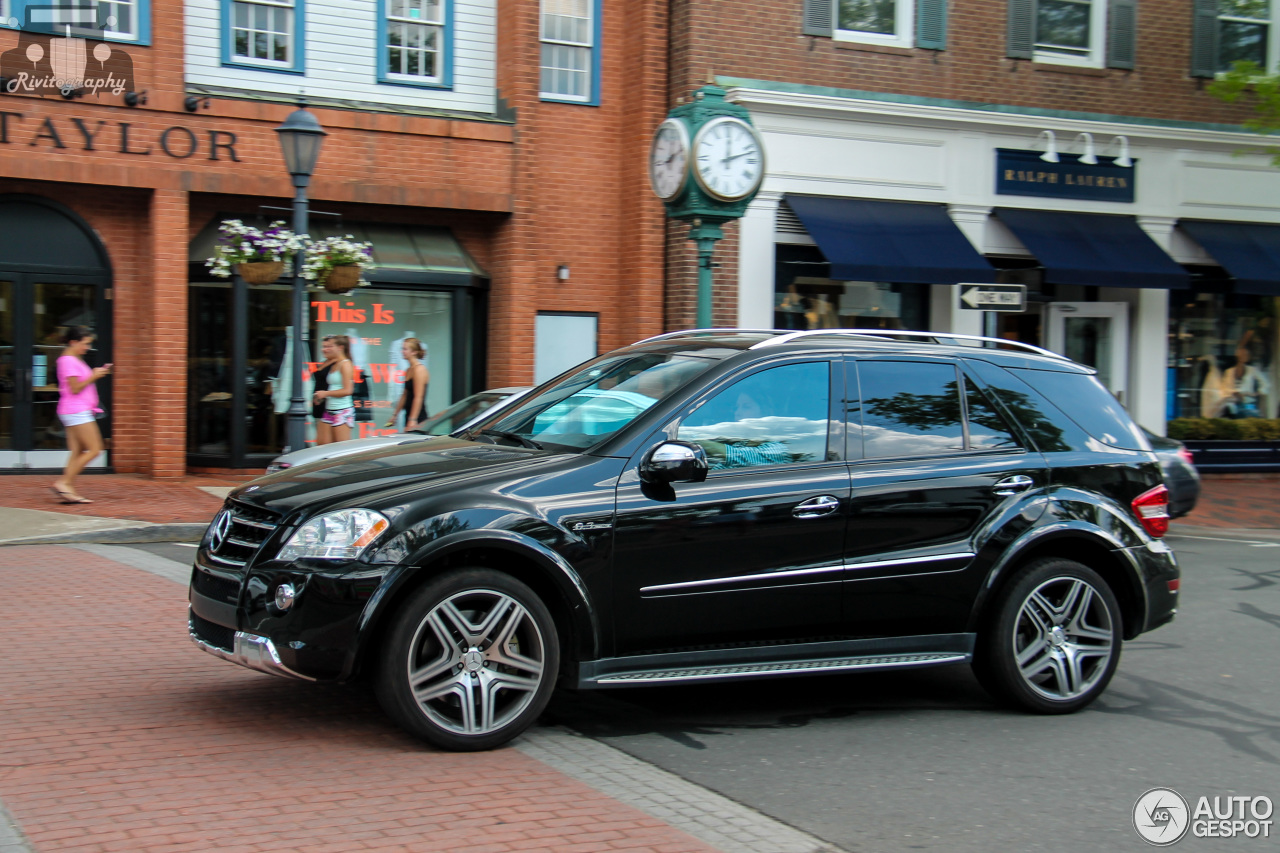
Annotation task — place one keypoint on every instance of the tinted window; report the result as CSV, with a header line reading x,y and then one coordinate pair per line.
x,y
776,416
1049,428
987,430
909,408
1091,406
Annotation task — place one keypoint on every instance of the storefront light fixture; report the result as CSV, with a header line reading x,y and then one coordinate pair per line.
x,y
1050,154
1123,160
1089,156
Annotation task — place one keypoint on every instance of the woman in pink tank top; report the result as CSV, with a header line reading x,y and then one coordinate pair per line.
x,y
78,410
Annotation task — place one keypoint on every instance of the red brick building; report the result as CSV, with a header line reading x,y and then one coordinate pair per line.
x,y
493,153
1067,145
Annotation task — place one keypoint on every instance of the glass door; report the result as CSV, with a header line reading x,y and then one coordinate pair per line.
x,y
35,312
1096,334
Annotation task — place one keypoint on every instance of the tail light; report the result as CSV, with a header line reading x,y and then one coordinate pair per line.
x,y
1186,456
1152,509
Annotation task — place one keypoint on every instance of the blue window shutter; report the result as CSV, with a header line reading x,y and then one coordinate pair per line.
x,y
931,24
1021,38
1204,39
1122,33
817,17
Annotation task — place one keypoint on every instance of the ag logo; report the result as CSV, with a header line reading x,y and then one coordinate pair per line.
x,y
219,529
1161,816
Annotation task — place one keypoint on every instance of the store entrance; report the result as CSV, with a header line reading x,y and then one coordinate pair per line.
x,y
37,304
1096,334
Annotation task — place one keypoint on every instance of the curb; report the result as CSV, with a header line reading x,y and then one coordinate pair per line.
x,y
178,532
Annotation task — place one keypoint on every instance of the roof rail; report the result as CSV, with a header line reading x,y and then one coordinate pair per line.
x,y
886,334
688,333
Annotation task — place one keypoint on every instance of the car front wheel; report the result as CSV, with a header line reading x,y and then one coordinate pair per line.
x,y
470,662
1055,638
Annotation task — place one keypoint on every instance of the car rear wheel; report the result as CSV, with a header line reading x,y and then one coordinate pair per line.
x,y
470,662
1054,641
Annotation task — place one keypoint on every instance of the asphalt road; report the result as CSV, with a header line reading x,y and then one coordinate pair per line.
x,y
924,760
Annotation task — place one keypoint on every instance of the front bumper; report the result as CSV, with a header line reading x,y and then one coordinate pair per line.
x,y
248,650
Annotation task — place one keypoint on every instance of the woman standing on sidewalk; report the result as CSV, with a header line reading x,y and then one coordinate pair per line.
x,y
78,410
339,409
414,397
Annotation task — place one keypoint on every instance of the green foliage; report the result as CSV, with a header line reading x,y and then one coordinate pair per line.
x,y
1225,429
1247,82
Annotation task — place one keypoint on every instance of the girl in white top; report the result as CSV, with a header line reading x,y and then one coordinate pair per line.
x,y
339,410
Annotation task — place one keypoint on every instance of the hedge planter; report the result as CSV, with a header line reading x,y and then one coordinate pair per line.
x,y
1234,457
261,272
342,279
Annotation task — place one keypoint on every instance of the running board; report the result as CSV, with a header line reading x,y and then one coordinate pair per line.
x,y
796,667
771,661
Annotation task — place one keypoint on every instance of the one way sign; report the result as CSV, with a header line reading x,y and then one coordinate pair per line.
x,y
994,297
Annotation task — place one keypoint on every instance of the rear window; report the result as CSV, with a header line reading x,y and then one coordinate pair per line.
x,y
1090,405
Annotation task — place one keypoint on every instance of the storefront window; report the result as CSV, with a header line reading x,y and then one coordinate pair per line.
x,y
1222,355
805,298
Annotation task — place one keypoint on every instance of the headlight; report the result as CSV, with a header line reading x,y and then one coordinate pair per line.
x,y
341,535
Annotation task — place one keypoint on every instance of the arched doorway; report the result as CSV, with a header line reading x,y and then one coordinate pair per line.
x,y
54,272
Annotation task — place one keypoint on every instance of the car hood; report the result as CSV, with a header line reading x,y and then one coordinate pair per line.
x,y
348,480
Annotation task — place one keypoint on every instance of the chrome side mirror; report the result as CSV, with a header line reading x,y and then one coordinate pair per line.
x,y
674,462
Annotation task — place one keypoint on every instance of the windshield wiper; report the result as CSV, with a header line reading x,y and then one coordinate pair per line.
x,y
511,436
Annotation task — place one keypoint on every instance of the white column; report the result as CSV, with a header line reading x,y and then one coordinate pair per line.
x,y
1149,339
756,235
945,311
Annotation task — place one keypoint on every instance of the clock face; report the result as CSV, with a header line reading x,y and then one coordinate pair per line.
x,y
728,158
669,159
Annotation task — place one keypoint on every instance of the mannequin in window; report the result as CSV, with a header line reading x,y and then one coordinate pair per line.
x,y
822,314
1241,388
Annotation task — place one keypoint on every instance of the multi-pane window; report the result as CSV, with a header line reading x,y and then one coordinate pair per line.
x,y
110,19
1064,27
887,22
263,31
120,16
415,38
1243,28
568,40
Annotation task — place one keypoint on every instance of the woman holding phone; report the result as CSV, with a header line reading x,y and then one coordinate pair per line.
x,y
339,378
78,410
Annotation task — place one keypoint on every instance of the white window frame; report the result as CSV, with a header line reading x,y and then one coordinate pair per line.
x,y
904,24
1273,43
1097,41
288,65
438,24
590,46
135,12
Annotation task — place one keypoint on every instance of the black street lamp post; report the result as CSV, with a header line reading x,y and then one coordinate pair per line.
x,y
300,139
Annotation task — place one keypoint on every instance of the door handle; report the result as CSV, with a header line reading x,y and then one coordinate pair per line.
x,y
1012,485
817,507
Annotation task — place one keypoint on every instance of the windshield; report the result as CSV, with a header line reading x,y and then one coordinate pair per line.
x,y
595,402
459,413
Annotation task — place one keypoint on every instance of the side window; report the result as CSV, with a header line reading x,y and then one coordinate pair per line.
x,y
1049,428
987,429
777,416
910,408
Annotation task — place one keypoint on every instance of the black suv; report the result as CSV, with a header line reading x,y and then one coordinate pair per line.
x,y
706,506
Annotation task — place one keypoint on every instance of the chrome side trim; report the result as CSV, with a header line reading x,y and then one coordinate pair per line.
x,y
250,651
760,577
237,563
880,564
238,520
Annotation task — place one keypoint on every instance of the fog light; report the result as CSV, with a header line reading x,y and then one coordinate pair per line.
x,y
285,594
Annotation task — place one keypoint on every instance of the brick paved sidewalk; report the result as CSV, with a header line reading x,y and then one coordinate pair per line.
x,y
1237,501
116,734
127,496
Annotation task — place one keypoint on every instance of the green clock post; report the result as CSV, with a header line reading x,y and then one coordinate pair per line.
x,y
706,163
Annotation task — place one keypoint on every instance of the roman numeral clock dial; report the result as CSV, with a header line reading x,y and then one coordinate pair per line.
x,y
728,158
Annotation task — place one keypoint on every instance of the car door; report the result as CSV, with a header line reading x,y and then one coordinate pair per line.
x,y
756,551
933,464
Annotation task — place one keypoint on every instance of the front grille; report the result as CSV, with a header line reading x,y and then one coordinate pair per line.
x,y
217,636
215,587
249,528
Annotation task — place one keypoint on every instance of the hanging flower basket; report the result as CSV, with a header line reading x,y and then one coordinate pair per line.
x,y
260,272
336,263
342,278
259,255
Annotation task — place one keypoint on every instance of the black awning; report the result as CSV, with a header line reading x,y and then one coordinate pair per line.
x,y
1249,251
890,241
1096,249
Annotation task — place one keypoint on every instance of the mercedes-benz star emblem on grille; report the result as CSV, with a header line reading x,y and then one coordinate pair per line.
x,y
219,530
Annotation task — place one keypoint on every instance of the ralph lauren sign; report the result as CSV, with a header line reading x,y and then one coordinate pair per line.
x,y
1020,172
